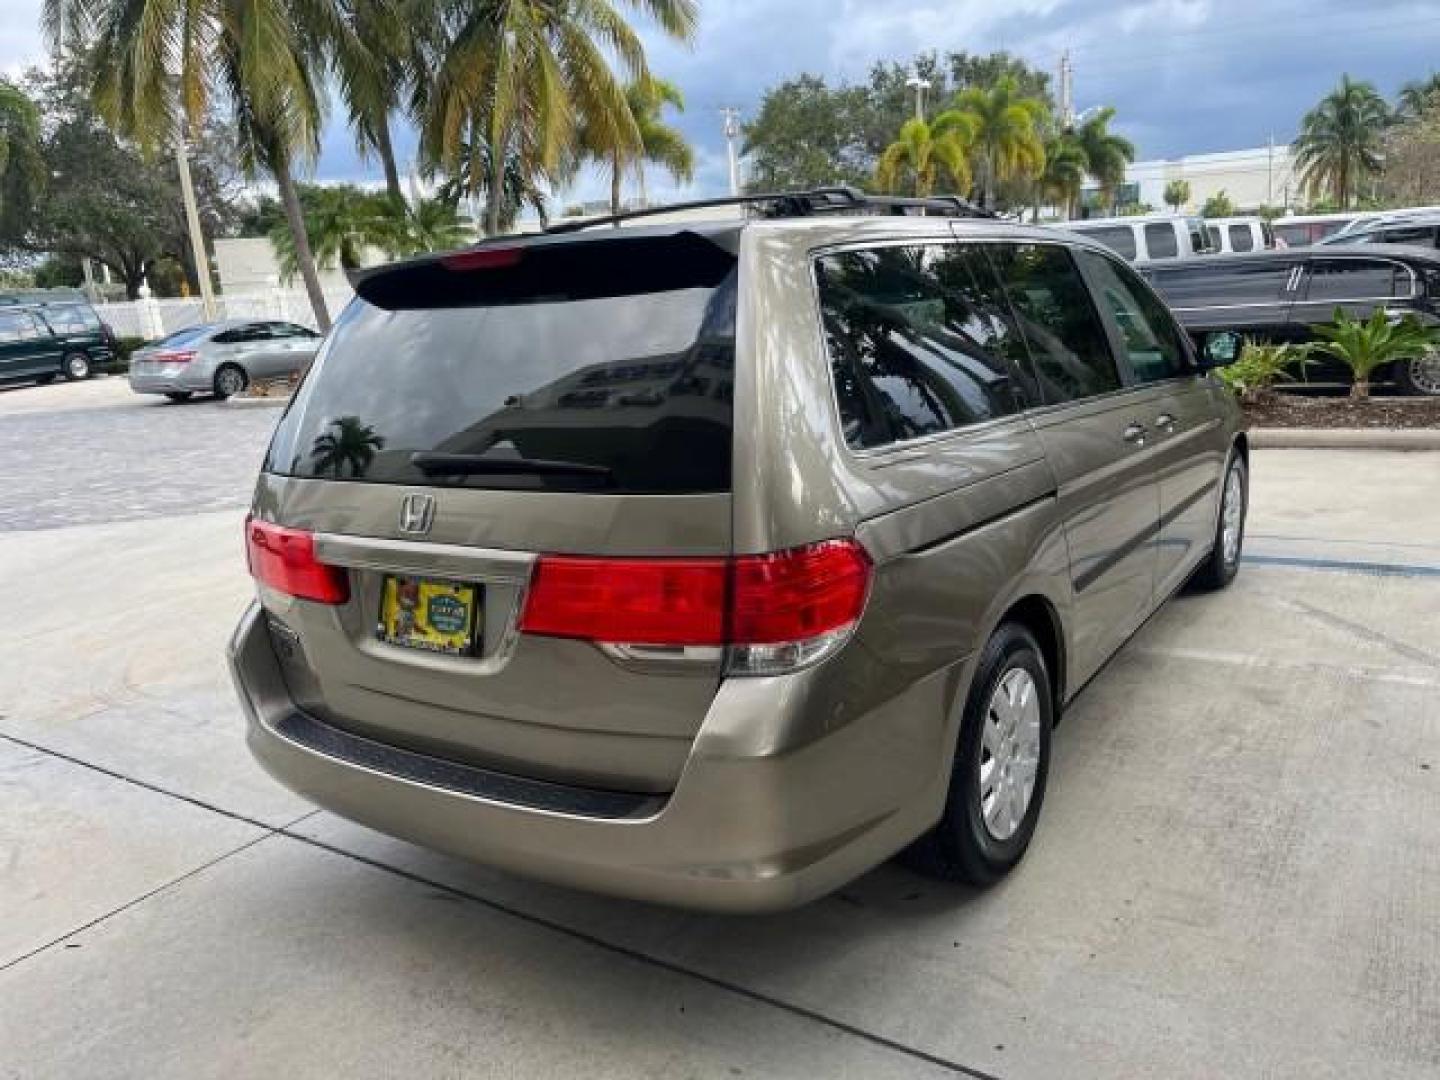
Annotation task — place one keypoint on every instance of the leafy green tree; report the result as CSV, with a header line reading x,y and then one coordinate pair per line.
x,y
1218,205
521,184
1177,194
1106,154
1339,145
22,166
976,70
808,134
1365,344
1416,97
376,62
525,76
341,221
424,225
1412,160
658,143
1006,142
926,152
1252,377
1063,176
267,60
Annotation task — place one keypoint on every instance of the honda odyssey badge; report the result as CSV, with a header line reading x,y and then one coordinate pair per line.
x,y
417,511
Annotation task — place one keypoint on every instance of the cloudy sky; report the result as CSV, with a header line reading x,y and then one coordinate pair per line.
x,y
1186,76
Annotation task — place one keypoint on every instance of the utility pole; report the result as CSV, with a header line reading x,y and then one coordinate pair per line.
x,y
1270,171
1067,91
919,85
732,132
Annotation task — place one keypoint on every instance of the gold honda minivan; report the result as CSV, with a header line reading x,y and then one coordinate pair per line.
x,y
714,562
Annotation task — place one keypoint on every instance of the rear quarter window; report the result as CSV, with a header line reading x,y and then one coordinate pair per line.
x,y
1160,240
1118,238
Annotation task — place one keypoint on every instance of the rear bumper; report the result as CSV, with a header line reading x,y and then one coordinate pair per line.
x,y
183,382
755,823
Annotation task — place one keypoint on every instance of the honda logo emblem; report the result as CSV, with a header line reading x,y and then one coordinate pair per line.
x,y
417,511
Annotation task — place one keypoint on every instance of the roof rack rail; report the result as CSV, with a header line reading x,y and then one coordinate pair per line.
x,y
782,204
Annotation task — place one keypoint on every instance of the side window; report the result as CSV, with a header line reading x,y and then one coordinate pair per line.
x,y
1060,324
1353,279
1423,235
1241,238
1147,332
1213,232
1118,238
294,330
1160,240
912,347
14,326
241,334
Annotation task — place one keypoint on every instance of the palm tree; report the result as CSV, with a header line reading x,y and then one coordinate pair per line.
x,y
341,222
1007,141
1416,96
660,144
424,225
523,76
1177,194
266,59
521,186
1106,154
350,443
374,66
1060,180
1340,139
926,151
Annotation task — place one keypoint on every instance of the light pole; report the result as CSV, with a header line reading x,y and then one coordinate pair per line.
x,y
732,132
919,85
192,213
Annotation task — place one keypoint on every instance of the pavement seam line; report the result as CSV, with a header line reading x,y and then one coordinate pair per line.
x,y
582,936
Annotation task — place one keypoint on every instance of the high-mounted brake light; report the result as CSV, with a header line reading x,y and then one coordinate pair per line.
x,y
491,258
774,612
284,559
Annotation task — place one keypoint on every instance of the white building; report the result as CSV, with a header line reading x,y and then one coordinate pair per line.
x,y
1264,176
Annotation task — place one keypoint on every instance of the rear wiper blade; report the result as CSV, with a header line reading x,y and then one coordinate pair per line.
x,y
435,463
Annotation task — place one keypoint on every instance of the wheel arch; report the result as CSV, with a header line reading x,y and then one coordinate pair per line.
x,y
1038,615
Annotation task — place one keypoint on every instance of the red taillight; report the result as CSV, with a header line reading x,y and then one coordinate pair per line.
x,y
799,594
174,356
790,596
492,258
285,560
649,601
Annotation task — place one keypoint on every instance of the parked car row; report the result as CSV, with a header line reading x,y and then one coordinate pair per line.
x,y
1281,296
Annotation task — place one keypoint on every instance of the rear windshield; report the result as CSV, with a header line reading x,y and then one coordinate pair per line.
x,y
614,359
185,336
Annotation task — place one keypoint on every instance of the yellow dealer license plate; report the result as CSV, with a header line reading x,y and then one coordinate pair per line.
x,y
438,616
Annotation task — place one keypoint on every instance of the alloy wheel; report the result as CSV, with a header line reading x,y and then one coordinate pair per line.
x,y
1424,373
1232,515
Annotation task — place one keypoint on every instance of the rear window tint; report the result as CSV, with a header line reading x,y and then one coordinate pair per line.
x,y
185,336
1241,238
616,357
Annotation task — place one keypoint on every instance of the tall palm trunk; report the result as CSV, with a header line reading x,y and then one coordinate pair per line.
x,y
290,200
616,167
386,150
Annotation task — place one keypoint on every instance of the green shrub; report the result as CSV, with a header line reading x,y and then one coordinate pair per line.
x,y
121,362
1362,345
1260,366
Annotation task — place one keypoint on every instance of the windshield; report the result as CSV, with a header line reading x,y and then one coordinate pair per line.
x,y
555,361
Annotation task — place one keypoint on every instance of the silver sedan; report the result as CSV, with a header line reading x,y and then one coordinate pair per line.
x,y
221,358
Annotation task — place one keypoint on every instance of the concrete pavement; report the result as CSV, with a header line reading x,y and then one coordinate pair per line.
x,y
1236,874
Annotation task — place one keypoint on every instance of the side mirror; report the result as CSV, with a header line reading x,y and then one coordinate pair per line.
x,y
1220,350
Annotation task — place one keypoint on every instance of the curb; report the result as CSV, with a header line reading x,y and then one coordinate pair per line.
x,y
257,402
1346,438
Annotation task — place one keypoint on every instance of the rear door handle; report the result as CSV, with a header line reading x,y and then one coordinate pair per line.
x,y
1134,433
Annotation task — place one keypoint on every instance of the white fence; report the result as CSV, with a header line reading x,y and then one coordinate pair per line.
x,y
151,319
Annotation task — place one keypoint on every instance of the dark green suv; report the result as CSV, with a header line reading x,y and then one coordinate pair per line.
x,y
41,341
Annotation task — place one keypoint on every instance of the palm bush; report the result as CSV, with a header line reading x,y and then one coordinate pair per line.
x,y
1366,344
1260,366
926,152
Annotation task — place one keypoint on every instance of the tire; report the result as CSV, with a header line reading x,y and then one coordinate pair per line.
x,y
1420,376
975,842
230,380
75,366
1223,562
178,395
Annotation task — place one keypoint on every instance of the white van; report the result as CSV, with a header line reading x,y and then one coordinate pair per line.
x,y
1236,234
1302,230
1147,238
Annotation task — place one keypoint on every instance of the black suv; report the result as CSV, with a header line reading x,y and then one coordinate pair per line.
x,y
1281,296
42,340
